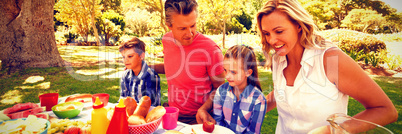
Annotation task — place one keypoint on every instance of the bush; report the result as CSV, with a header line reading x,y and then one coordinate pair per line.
x,y
234,26
349,40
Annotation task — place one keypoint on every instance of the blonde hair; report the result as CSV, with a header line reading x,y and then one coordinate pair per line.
x,y
308,36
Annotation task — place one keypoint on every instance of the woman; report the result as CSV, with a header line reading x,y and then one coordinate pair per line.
x,y
312,78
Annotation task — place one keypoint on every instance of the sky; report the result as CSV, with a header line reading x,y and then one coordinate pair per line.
x,y
397,4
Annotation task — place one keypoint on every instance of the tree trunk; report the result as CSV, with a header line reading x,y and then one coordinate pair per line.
x,y
224,34
27,34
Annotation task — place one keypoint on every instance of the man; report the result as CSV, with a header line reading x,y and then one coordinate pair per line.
x,y
192,63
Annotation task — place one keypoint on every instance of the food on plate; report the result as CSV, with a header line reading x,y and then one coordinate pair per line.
x,y
30,125
60,125
208,126
20,107
72,130
65,108
155,113
143,107
173,132
131,105
4,117
22,110
84,98
136,120
86,129
110,113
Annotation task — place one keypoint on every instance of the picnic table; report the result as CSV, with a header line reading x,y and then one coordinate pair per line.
x,y
85,115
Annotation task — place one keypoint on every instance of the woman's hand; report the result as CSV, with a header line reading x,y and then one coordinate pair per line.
x,y
203,115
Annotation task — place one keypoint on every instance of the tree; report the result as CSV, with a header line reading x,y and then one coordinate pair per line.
x,y
220,11
362,20
27,35
156,6
137,21
78,14
110,24
111,5
394,22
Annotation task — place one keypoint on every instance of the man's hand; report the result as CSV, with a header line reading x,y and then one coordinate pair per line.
x,y
203,115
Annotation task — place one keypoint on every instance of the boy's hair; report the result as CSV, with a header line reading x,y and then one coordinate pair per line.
x,y
248,60
134,43
183,7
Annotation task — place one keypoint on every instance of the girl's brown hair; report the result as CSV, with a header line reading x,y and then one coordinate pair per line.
x,y
248,60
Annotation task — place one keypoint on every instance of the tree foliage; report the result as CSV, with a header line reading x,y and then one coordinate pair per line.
x,y
110,24
76,14
155,7
219,12
362,20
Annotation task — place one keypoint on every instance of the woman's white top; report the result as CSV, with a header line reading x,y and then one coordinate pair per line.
x,y
307,104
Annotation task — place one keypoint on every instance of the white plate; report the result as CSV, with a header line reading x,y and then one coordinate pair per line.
x,y
198,130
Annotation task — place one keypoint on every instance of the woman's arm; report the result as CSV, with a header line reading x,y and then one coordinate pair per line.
x,y
271,103
350,79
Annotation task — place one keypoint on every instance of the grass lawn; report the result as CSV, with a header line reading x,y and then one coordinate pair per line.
x,y
102,76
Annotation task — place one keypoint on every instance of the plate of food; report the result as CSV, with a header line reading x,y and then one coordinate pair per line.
x,y
206,129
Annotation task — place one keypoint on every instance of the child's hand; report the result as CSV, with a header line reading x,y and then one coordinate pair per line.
x,y
203,115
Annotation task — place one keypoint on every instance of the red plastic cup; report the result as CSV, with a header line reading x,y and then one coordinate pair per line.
x,y
49,100
104,97
169,120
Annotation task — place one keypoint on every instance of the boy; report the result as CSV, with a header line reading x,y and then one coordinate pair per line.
x,y
138,79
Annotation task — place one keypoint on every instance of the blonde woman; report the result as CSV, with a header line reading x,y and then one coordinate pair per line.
x,y
312,78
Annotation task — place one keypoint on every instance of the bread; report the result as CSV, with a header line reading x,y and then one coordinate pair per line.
x,y
136,120
155,113
131,105
173,132
143,107
84,98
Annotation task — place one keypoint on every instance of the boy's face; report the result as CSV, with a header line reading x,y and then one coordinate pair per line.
x,y
132,59
184,28
235,73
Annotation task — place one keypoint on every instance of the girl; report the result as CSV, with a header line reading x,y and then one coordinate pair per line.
x,y
239,103
312,79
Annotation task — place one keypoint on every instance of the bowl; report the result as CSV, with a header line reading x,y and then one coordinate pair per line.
x,y
43,132
69,113
146,128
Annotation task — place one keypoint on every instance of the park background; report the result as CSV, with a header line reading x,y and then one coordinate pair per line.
x,y
74,49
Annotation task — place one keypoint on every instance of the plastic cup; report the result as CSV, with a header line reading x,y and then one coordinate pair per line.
x,y
169,120
104,97
49,100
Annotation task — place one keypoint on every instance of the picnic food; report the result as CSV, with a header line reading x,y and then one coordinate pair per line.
x,y
173,132
143,107
155,113
136,120
30,125
23,110
84,98
60,125
72,130
131,105
208,126
65,108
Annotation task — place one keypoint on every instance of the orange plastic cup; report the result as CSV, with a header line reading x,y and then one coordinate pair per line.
x,y
104,97
49,100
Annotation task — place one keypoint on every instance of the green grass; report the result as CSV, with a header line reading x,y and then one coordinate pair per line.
x,y
104,78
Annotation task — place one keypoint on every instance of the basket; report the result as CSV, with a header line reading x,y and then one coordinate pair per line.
x,y
146,128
